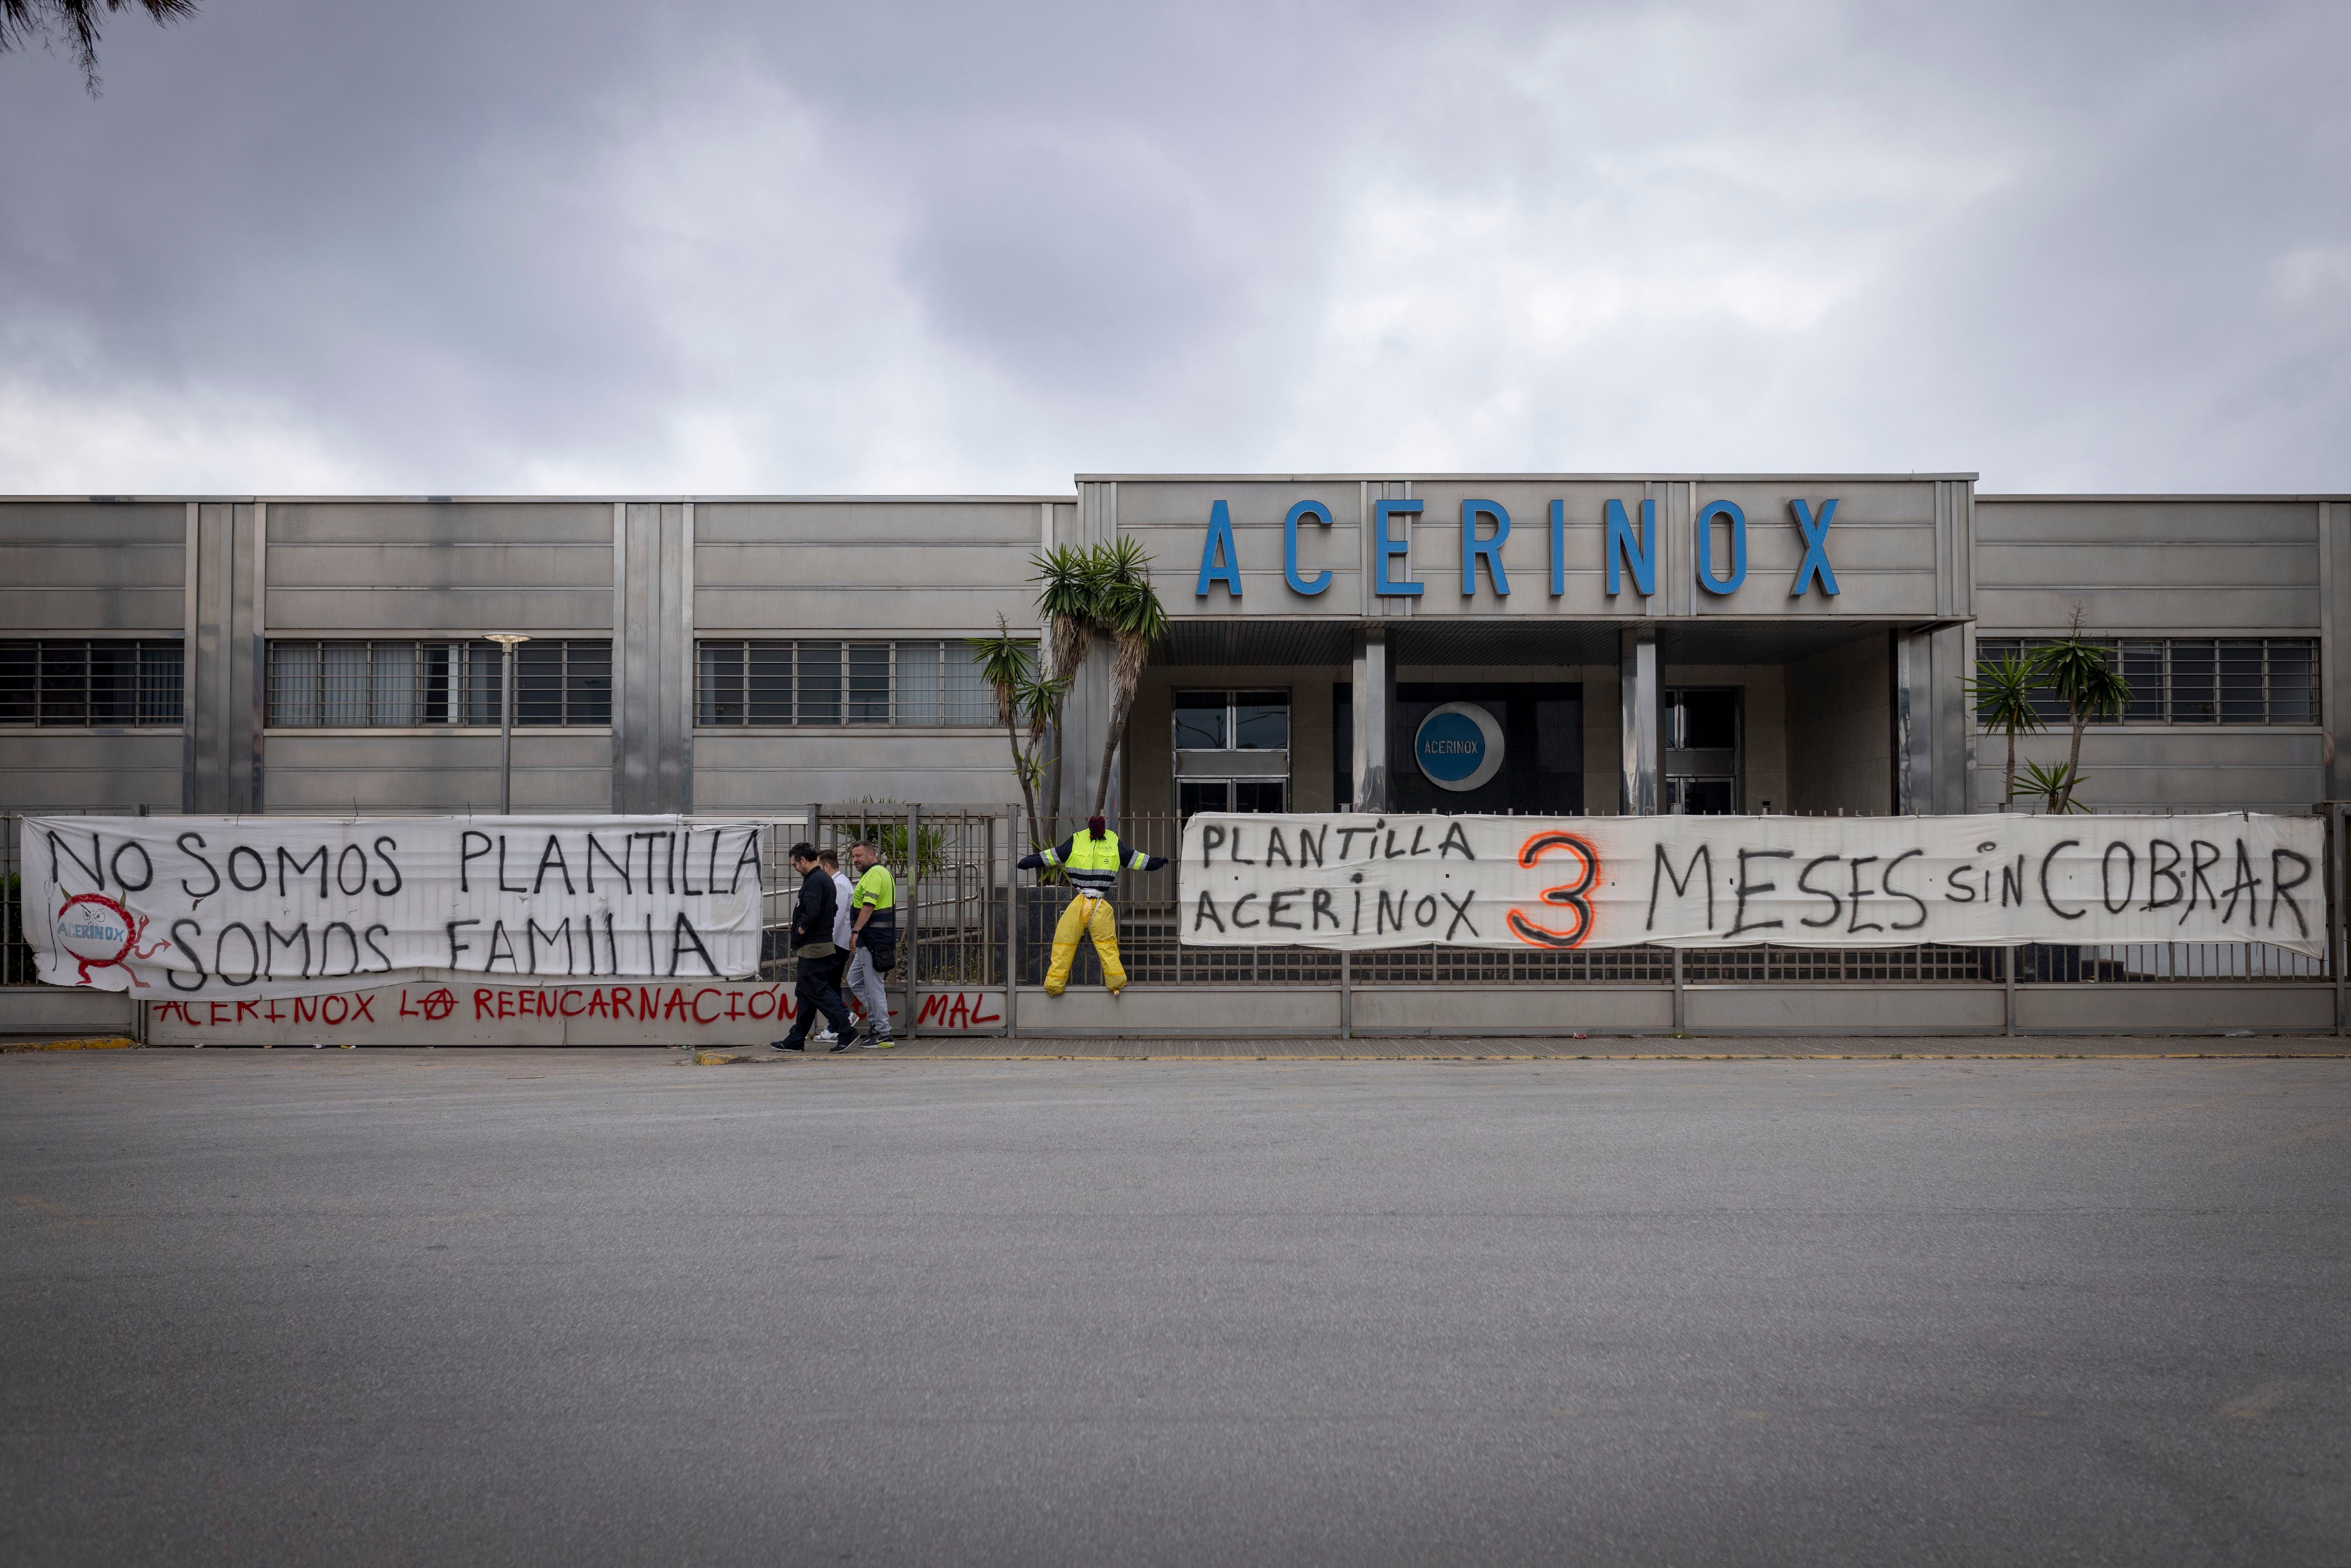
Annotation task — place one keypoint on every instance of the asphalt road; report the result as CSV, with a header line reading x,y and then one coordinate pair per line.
x,y
561,1309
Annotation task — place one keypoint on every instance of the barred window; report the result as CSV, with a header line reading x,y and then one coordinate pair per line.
x,y
765,683
2197,680
557,681
86,682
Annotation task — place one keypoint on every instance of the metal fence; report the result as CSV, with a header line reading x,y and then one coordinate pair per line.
x,y
959,897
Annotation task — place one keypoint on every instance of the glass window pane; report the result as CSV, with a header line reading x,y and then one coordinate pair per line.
x,y
588,681
819,682
1200,723
1202,795
2194,699
393,676
113,682
538,683
2293,695
719,683
65,683
484,683
436,695
159,682
2046,702
1702,720
1258,794
2243,697
768,667
869,683
19,678
1261,721
966,695
293,684
921,697
2143,668
343,683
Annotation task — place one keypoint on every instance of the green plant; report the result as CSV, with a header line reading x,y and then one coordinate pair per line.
x,y
1028,704
1130,612
2053,787
2082,676
2002,691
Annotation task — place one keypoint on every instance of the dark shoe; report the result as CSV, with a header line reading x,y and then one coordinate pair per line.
x,y
840,1045
786,1045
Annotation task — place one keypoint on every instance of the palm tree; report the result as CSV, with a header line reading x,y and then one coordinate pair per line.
x,y
22,21
2082,676
1069,601
1130,613
2002,691
1027,699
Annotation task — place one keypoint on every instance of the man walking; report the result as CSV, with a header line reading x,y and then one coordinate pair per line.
x,y
872,942
818,958
1092,860
832,863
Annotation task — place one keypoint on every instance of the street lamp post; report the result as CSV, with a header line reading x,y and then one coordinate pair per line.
x,y
505,642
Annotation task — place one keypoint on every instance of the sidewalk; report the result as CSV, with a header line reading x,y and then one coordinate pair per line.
x,y
1613,1048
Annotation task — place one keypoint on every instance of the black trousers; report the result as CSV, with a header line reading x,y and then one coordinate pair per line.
x,y
818,990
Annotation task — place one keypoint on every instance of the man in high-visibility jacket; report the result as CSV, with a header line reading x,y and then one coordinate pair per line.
x,y
1091,860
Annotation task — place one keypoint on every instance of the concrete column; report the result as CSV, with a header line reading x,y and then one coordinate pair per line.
x,y
1374,688
1637,690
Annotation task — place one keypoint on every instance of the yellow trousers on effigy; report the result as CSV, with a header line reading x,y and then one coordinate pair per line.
x,y
1086,915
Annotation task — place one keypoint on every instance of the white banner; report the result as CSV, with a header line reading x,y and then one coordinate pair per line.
x,y
251,907
1551,883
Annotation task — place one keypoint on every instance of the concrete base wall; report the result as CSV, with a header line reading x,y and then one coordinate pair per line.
x,y
55,1012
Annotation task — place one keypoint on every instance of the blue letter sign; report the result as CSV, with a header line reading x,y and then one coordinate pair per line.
x,y
1219,557
1641,555
1384,549
1472,547
1728,511
1321,580
1816,549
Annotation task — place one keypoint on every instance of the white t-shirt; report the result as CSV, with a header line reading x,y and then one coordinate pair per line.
x,y
841,913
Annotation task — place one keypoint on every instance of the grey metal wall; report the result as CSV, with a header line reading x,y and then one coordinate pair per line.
x,y
76,569
2169,566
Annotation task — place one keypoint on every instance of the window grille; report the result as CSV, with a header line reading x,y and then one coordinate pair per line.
x,y
86,682
816,684
404,684
2195,680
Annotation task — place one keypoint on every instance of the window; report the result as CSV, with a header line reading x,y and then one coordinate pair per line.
x,y
89,684
1196,795
557,682
804,683
1232,721
2198,680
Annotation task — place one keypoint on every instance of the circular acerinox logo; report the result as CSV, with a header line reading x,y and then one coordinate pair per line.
x,y
94,930
1458,746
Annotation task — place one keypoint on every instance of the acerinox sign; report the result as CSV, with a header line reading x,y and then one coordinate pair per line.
x,y
1458,746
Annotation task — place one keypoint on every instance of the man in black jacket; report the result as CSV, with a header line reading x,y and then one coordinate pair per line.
x,y
817,989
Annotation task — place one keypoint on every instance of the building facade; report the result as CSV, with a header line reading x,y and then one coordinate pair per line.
x,y
1574,643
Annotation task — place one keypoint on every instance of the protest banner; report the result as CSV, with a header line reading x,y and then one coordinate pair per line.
x,y
257,907
1359,882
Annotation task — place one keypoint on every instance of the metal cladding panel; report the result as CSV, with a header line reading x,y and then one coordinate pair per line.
x,y
2174,768
223,672
1170,520
81,567
652,738
941,568
446,772
457,567
784,770
2148,565
75,770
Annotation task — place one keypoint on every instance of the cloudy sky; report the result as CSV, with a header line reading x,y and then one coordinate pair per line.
x,y
554,245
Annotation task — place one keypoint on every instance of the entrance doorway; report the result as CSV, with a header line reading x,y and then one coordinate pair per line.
x,y
1488,747
1701,751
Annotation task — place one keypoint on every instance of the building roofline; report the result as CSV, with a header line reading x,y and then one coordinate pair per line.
x,y
1402,476
2171,496
1070,500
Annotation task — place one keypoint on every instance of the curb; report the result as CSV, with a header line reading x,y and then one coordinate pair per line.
x,y
100,1042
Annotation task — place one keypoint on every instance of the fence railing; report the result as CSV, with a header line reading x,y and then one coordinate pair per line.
x,y
960,900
